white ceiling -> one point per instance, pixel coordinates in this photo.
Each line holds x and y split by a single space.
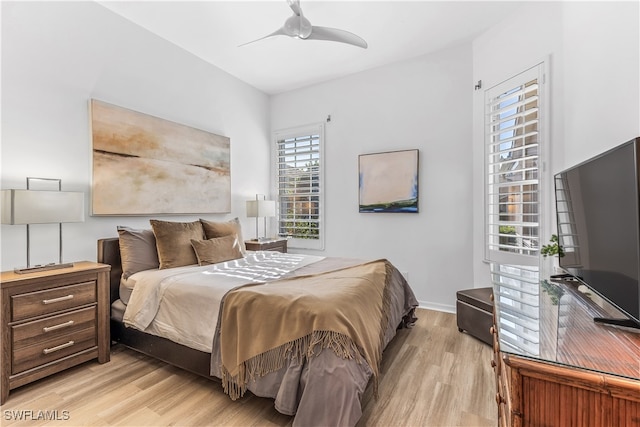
394 30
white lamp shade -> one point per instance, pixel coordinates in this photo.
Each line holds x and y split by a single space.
41 207
261 208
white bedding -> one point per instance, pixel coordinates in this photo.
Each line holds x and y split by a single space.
167 302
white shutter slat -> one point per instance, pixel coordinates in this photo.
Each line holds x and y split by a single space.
514 138
510 111
515 94
518 118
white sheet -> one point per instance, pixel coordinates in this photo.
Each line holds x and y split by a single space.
170 302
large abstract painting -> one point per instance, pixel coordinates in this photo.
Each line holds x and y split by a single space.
389 181
144 165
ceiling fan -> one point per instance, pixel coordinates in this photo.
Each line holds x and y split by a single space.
298 26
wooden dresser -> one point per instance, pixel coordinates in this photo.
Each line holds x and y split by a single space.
584 374
52 320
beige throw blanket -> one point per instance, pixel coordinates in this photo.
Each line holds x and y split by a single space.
262 326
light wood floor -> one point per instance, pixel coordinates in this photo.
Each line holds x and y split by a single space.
432 375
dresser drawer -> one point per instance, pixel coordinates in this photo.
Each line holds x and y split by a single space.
31 333
39 303
45 351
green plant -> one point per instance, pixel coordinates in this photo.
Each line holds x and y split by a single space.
553 248
554 291
507 229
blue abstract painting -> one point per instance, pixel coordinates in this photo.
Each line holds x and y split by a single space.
388 181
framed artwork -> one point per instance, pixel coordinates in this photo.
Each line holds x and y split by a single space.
145 165
389 181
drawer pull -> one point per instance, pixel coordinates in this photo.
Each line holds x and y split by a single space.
60 326
58 347
54 300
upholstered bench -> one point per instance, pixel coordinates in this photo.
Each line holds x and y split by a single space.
474 313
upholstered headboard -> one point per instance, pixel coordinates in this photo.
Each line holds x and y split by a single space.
109 253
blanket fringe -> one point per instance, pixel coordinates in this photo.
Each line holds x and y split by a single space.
273 360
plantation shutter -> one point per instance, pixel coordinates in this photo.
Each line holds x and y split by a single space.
513 169
300 186
566 221
513 119
517 290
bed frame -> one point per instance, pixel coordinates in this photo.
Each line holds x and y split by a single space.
195 361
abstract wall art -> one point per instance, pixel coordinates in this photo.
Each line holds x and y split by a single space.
389 181
145 165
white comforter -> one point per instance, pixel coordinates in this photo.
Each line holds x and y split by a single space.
182 304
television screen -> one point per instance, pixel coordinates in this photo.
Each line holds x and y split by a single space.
598 225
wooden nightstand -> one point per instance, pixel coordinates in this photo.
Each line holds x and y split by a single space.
52 320
268 245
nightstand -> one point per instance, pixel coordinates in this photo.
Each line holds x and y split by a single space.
279 245
52 320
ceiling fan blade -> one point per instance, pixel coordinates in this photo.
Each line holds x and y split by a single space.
295 6
278 32
335 35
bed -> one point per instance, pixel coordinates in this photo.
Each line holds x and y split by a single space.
304 330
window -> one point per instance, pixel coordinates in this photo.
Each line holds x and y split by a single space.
300 182
514 115
513 142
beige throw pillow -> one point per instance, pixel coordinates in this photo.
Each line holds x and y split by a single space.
217 250
214 229
173 240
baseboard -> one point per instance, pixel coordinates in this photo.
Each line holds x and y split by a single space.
437 307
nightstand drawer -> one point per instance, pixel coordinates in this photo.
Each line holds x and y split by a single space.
267 245
39 303
52 349
31 333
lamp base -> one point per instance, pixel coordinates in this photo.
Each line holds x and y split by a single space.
45 267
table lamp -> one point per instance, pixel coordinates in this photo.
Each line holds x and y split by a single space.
261 208
25 207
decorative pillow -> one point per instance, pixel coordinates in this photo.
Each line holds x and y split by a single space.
137 250
173 240
213 229
219 249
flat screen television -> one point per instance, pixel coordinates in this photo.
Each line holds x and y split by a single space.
598 213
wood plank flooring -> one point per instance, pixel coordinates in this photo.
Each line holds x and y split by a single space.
432 375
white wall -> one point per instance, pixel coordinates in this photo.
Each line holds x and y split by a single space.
58 55
592 50
602 78
424 103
